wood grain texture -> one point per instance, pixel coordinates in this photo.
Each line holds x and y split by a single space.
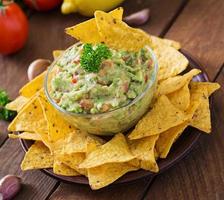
36 185
162 13
200 29
201 174
133 190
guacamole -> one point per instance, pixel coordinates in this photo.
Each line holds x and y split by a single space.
100 84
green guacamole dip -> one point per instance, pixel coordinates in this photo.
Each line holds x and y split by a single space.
119 80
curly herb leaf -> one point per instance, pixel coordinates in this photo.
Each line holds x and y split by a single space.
91 58
5 114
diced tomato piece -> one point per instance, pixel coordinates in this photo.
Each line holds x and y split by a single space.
74 79
125 87
146 78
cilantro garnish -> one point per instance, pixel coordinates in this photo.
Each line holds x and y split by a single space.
5 114
92 58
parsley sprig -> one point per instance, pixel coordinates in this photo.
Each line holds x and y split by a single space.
5 114
92 58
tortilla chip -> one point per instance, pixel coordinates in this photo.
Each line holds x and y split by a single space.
114 151
157 41
25 136
210 87
33 86
57 126
163 116
73 150
57 53
171 62
106 174
202 117
37 157
45 139
197 96
73 160
103 175
87 31
143 149
180 98
75 142
118 35
30 118
17 104
62 169
173 84
167 138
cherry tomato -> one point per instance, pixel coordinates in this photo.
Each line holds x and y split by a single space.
13 28
42 5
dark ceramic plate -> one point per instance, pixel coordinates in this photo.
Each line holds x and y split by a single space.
180 149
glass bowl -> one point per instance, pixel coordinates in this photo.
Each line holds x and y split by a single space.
114 121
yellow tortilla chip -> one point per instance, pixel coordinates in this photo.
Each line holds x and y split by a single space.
37 157
167 138
17 104
180 98
57 53
33 86
106 174
143 149
25 136
173 84
157 41
210 87
114 151
75 142
87 31
103 175
57 126
118 35
171 62
163 116
45 139
62 169
202 117
30 118
74 149
197 96
73 160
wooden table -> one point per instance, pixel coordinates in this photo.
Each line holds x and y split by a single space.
199 26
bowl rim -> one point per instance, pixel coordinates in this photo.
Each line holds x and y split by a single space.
139 97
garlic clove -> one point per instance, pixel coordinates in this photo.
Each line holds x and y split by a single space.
37 67
9 187
138 18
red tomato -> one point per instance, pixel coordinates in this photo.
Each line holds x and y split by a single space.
13 28
42 5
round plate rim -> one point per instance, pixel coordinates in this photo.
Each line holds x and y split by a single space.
136 175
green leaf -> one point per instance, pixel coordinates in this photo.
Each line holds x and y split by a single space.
91 58
4 99
5 114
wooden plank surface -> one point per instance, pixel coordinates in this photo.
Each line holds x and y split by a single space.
200 29
134 190
201 174
46 35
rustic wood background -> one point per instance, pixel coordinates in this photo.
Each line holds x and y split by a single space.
199 26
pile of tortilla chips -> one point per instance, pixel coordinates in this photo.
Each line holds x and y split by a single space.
178 102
